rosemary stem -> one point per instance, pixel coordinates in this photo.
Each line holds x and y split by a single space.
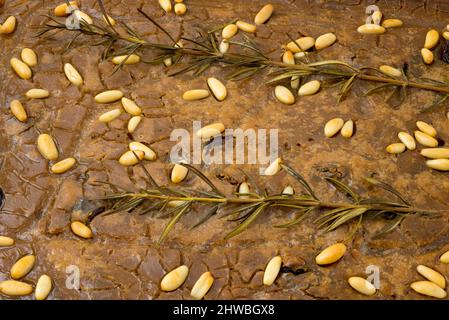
367 77
291 200
223 58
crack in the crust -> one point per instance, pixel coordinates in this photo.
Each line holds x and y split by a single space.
35 185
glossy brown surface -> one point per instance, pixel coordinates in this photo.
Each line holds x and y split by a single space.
122 261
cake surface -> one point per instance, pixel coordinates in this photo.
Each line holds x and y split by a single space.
123 260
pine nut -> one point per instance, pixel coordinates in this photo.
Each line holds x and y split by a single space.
165 5
428 288
264 14
377 17
348 129
175 203
362 285
331 254
333 126
395 148
130 158
37 94
29 57
224 46
294 82
284 95
288 57
18 110
218 88
148 153
432 275
390 71
15 288
426 128
229 31
427 56
244 189
168 61
63 10
309 88
195 94
131 107
446 35
133 123
180 9
288 190
392 23
210 131
444 258
81 230
63 165
111 20
245 26
325 40
6 241
178 173
175 278
432 38
22 267
304 43
202 286
108 96
21 69
43 287
47 147
425 139
110 115
438 164
407 139
371 29
435 153
72 74
274 167
9 25
126 59
272 270
82 16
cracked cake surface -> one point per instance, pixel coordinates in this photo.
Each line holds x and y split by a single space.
123 261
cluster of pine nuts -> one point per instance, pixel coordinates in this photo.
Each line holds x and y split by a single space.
434 285
137 150
47 148
15 287
376 25
175 278
45 142
298 49
22 67
426 136
215 86
231 29
65 9
333 126
431 41
180 8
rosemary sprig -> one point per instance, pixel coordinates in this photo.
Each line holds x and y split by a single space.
245 210
249 60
